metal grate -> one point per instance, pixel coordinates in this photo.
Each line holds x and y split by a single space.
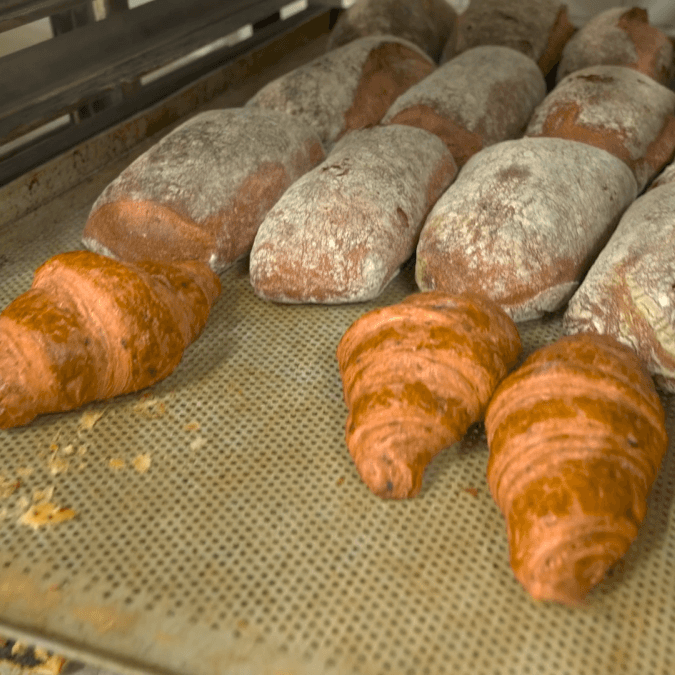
250 546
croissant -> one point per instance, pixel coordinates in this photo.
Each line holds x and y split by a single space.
416 375
91 328
576 436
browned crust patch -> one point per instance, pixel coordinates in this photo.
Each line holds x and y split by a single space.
559 35
389 70
461 142
648 41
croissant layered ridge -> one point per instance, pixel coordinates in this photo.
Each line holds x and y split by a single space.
576 437
415 376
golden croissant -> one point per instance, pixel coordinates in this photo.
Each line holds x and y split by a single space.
90 328
416 375
576 437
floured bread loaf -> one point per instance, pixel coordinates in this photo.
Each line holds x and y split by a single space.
341 232
523 222
348 88
628 292
483 96
665 177
614 108
537 28
619 37
430 24
203 190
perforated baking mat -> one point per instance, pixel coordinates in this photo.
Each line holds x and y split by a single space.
220 526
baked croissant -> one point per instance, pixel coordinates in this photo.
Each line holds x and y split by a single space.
91 328
416 375
576 436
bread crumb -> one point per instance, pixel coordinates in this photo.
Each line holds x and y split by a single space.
40 496
45 513
150 407
68 450
142 463
89 419
8 487
198 443
19 648
116 463
58 465
192 426
82 450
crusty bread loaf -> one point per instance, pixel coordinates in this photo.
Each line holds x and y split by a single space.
203 190
614 108
537 28
628 292
348 88
483 96
619 37
430 24
341 232
523 222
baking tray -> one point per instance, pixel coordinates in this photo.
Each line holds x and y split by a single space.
221 528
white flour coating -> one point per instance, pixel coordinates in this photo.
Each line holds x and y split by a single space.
599 41
320 92
490 90
205 170
522 223
629 292
340 233
522 24
612 99
202 163
427 23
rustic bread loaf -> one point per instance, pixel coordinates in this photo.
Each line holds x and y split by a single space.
523 222
484 95
203 190
628 292
619 37
341 232
614 108
348 88
537 28
415 376
576 438
430 24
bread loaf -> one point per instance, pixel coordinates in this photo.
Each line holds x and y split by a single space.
484 95
203 190
348 88
628 292
523 222
341 232
619 37
537 28
576 437
415 376
91 328
430 24
614 108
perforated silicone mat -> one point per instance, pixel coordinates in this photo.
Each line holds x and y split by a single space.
221 528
